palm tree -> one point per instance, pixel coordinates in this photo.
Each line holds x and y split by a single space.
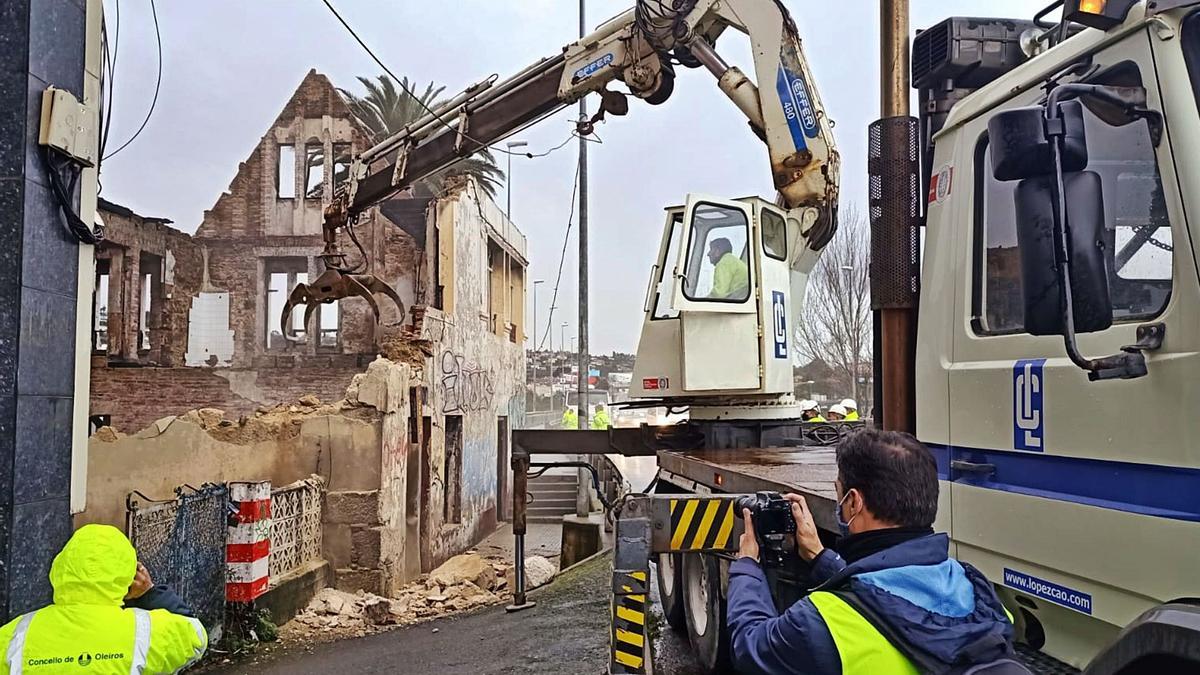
385 109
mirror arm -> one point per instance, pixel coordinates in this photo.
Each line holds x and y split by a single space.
1130 363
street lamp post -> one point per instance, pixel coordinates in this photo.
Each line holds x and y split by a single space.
851 297
535 342
511 145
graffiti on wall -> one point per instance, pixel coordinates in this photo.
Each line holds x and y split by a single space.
466 386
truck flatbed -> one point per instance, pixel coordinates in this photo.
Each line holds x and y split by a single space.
808 471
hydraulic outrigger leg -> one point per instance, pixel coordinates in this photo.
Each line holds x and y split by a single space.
646 526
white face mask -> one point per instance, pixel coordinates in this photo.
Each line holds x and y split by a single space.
843 525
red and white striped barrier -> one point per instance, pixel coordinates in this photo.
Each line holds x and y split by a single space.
248 542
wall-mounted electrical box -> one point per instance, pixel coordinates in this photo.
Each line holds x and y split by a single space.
68 126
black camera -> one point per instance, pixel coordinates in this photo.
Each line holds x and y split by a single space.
774 526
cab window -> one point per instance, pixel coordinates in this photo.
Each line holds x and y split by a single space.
1138 231
774 235
718 266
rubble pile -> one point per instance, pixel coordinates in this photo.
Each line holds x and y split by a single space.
463 583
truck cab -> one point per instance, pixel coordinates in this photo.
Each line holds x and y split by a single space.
1073 491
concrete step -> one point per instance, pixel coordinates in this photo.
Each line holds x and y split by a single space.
554 478
564 492
559 504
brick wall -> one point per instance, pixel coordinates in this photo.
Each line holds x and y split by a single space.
136 397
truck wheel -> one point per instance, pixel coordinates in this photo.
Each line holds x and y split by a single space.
670 590
705 610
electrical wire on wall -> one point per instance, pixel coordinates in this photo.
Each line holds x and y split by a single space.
64 190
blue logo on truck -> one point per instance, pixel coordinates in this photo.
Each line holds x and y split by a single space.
1029 420
779 314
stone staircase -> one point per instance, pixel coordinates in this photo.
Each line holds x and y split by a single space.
553 497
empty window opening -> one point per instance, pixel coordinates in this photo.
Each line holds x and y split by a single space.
329 320
100 308
314 172
282 277
287 172
341 163
144 324
452 471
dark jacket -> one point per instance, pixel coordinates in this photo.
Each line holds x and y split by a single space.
940 606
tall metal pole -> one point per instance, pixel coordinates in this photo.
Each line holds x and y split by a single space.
535 342
897 325
583 499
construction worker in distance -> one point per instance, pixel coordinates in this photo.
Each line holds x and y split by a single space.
731 275
888 598
600 418
107 615
851 407
837 413
570 418
810 411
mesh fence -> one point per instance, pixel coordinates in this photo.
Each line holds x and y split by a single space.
182 543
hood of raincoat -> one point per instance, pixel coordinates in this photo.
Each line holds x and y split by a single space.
94 568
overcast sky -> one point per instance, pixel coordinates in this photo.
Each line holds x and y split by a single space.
230 65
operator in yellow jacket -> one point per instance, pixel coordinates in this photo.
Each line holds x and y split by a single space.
731 276
107 615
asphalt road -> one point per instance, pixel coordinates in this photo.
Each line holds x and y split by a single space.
566 633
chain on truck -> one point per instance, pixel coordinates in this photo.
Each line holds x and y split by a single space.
1036 212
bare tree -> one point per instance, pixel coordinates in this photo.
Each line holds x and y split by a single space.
835 324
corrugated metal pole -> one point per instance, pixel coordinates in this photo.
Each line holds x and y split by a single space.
898 326
583 500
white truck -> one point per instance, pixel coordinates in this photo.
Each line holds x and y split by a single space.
1053 167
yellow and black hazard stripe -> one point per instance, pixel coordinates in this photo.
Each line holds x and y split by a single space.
701 524
629 624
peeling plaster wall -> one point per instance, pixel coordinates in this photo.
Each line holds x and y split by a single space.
473 373
344 451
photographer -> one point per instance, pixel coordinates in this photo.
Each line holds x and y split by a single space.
888 599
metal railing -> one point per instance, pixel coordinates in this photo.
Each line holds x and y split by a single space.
295 526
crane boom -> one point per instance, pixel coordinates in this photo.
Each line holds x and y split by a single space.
639 48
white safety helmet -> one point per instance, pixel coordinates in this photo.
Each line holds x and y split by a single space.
849 404
807 405
837 409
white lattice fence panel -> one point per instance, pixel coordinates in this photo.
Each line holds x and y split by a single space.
295 526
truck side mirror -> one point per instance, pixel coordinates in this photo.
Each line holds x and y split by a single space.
1021 148
1090 297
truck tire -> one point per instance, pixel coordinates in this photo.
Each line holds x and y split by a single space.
705 611
670 590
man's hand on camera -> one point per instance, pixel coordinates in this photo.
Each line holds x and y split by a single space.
141 583
808 540
748 544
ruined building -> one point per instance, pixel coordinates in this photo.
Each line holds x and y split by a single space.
186 322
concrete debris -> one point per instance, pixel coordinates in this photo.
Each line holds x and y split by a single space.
107 434
310 401
465 568
463 583
538 572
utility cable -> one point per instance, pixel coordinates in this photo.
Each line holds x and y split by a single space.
63 190
157 84
562 257
422 103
